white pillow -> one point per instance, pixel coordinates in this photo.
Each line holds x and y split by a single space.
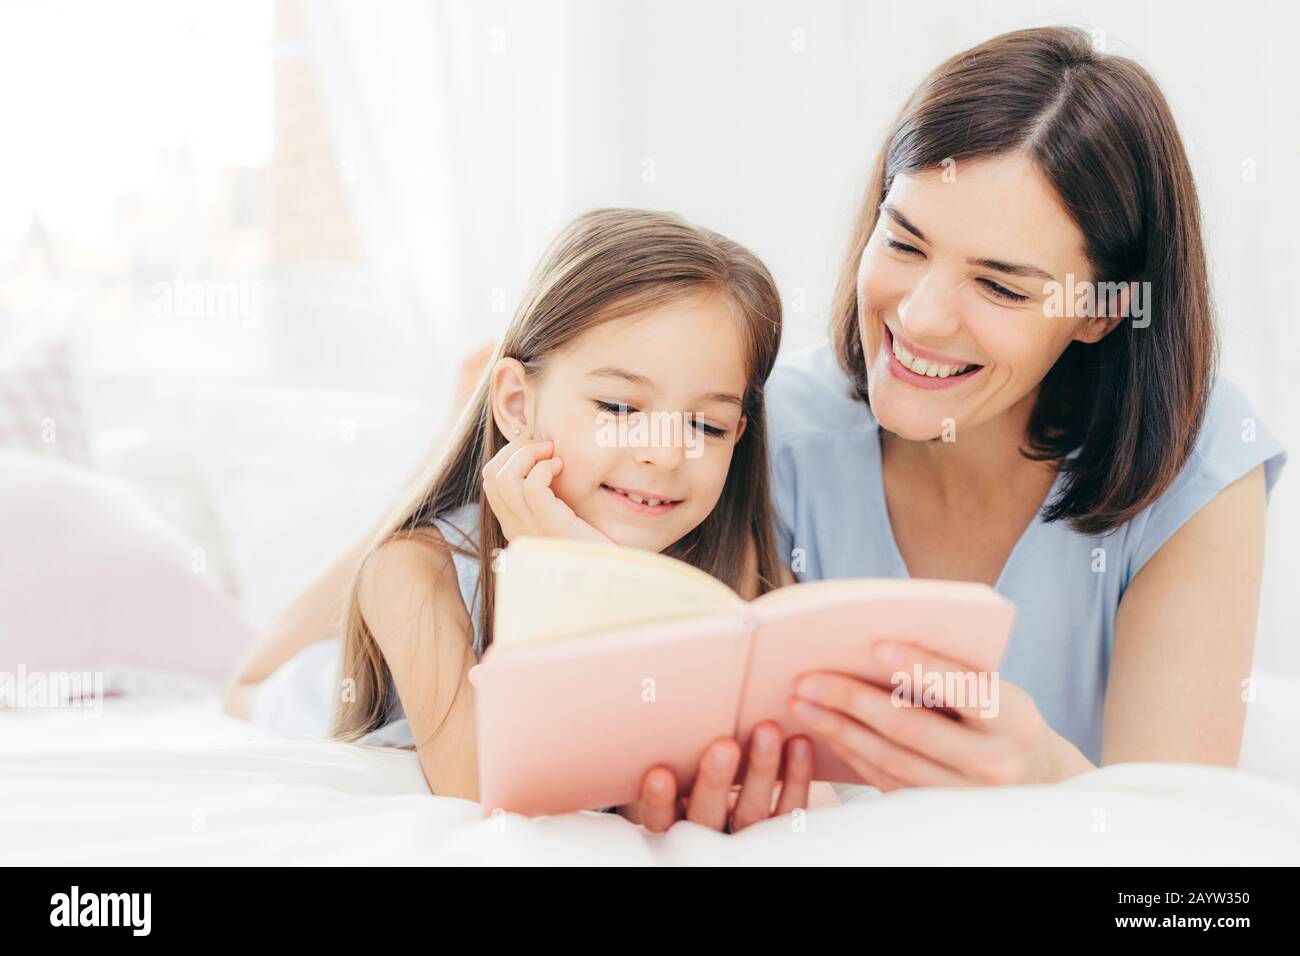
92 578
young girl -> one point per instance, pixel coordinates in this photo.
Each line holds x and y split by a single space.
629 314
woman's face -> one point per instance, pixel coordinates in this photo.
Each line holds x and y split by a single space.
646 407
956 276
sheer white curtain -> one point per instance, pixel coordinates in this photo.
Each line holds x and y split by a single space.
469 132
462 132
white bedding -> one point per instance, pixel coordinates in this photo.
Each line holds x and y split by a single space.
164 778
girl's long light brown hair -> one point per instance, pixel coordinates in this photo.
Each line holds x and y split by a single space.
607 264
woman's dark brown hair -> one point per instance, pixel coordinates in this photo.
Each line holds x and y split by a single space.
1101 132
605 265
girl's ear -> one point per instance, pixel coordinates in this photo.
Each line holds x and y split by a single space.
511 397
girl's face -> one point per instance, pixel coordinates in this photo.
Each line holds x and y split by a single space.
957 274
648 407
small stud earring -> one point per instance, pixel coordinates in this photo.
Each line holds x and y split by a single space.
518 432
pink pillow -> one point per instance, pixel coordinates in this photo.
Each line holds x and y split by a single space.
92 577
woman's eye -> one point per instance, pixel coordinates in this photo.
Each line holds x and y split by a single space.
901 246
1002 292
615 408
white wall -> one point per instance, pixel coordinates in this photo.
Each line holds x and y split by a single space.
759 119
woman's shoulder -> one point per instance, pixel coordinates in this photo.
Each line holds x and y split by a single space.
809 395
1232 442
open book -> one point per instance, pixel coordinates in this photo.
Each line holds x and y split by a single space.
608 660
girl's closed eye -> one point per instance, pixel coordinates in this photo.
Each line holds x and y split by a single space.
622 408
712 430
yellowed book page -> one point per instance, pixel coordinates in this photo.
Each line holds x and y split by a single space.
795 598
553 589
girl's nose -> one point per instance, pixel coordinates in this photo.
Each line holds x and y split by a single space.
664 448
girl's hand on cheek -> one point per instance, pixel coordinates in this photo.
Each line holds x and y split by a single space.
517 482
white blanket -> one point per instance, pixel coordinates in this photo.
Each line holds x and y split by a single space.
166 779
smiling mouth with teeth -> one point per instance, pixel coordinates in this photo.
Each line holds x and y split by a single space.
642 502
920 366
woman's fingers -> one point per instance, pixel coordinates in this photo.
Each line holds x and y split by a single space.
947 684
965 691
907 724
755 802
797 780
660 807
708 801
846 734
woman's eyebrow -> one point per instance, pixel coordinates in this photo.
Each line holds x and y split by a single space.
1008 268
1012 268
610 371
894 213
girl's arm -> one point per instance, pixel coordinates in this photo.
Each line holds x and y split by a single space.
410 599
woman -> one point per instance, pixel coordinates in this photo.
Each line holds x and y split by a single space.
979 416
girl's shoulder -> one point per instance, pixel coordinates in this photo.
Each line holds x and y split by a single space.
406 580
460 563
410 595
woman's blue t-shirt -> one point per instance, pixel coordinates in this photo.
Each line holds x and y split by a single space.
830 505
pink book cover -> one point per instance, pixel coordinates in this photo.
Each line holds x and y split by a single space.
575 724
